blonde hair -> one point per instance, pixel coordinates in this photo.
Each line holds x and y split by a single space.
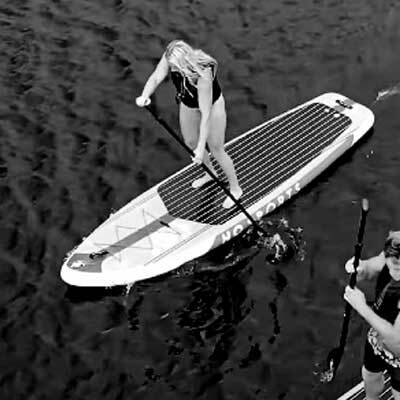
189 61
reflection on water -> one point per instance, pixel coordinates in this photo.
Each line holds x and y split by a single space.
193 343
203 340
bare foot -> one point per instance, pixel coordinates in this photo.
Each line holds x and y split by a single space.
198 183
228 202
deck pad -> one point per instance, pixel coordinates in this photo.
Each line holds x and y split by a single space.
263 159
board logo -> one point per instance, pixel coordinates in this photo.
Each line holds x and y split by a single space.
271 206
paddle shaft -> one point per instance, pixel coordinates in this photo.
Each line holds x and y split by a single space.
163 123
353 276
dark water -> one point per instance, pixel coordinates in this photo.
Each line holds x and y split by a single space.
74 147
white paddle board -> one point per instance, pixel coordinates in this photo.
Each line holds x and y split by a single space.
172 223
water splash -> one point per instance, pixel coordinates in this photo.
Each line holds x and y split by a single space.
128 288
386 93
278 247
282 244
327 375
285 244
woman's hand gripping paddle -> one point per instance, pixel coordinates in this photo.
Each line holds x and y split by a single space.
335 355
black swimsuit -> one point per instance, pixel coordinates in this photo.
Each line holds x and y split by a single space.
188 94
388 309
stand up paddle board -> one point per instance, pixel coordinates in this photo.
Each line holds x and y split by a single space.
172 223
358 392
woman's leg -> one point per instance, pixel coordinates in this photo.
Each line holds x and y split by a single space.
216 140
189 119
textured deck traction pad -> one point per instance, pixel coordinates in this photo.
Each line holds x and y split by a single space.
263 160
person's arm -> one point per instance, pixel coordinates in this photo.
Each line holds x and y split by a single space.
204 90
158 75
388 333
372 266
367 269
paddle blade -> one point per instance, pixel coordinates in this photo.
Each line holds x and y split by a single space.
332 363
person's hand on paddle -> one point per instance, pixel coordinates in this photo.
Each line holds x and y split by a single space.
198 154
142 101
356 298
349 267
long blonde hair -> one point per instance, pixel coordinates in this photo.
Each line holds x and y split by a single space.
189 61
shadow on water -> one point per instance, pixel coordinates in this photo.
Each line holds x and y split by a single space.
217 307
92 294
203 339
220 302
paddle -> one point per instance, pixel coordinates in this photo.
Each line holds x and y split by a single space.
163 123
335 355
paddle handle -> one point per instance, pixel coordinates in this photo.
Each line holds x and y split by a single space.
358 246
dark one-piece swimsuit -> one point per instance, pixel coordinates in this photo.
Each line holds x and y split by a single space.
188 94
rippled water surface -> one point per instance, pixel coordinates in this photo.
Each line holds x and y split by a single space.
74 147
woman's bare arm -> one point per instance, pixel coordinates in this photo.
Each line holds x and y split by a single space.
158 75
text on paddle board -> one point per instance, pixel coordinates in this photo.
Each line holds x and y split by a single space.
271 206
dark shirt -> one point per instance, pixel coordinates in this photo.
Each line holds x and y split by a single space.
188 94
389 307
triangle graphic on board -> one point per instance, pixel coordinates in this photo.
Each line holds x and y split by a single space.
128 237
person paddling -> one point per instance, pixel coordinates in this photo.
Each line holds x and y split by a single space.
202 113
382 347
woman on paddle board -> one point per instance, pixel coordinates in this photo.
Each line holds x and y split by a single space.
202 113
382 348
